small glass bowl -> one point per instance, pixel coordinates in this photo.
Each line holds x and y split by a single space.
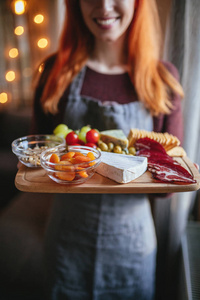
29 148
68 173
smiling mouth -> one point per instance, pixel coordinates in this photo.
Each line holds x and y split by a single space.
106 22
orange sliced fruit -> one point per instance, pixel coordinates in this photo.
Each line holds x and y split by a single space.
67 155
83 174
92 157
80 159
64 165
54 158
78 154
67 176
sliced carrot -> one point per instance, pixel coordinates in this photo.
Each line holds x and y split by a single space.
67 156
54 158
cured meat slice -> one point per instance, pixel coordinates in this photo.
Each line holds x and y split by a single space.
147 143
160 164
154 155
170 172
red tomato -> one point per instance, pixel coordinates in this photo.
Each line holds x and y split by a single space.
71 138
92 145
81 142
92 136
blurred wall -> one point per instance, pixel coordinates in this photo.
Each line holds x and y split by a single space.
164 10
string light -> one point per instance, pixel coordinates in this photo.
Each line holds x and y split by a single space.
42 43
10 76
13 52
3 98
19 30
38 19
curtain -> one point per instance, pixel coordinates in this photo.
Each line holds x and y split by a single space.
182 48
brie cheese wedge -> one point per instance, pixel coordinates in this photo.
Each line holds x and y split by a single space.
120 167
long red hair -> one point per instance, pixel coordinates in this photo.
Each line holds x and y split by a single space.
152 81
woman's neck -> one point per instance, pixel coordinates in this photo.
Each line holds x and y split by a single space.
108 58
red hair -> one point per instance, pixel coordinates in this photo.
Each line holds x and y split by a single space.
151 79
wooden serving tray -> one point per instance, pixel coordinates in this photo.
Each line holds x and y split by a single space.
36 180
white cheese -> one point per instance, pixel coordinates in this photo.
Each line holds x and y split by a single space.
121 168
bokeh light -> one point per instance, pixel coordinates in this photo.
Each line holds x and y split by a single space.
19 30
19 7
3 98
10 76
42 43
13 52
41 68
38 19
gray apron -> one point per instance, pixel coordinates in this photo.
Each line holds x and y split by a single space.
101 246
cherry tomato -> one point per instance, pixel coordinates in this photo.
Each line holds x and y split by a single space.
81 142
92 136
92 145
72 138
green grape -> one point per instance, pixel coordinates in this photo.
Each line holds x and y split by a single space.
85 129
61 134
61 129
82 136
77 131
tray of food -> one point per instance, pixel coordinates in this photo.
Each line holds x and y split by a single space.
110 162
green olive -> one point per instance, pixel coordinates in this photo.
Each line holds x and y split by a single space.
99 142
103 146
117 149
132 150
110 147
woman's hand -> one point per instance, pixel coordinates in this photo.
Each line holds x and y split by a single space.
196 166
19 164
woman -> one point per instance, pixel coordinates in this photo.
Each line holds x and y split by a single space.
107 73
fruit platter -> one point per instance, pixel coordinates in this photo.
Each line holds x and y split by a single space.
93 161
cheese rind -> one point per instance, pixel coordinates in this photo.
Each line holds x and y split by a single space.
115 136
121 168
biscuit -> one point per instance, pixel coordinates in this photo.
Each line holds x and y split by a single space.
177 151
168 141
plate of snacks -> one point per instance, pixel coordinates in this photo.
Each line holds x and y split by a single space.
29 148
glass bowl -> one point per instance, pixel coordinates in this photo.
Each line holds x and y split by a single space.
29 148
70 169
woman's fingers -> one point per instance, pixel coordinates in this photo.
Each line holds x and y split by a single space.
19 164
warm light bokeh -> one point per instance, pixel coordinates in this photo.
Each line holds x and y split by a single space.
19 7
10 76
19 30
41 68
38 19
42 43
3 97
13 52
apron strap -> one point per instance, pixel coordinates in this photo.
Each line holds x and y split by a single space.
77 83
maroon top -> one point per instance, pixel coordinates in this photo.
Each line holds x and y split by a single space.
105 87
